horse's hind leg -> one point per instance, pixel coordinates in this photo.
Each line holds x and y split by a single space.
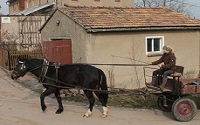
60 108
91 100
42 97
103 97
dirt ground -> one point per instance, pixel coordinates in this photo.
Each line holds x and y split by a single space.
21 106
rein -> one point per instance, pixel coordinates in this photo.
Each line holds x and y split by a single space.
57 65
35 68
139 92
43 76
45 66
70 86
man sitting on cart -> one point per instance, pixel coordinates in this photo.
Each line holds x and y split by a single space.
167 67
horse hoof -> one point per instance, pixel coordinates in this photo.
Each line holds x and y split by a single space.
44 111
87 114
44 108
105 112
59 111
104 115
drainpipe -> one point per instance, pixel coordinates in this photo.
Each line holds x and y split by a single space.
0 29
199 51
8 3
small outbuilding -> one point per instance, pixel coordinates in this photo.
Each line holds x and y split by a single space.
122 35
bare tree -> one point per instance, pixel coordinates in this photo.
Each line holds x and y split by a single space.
179 5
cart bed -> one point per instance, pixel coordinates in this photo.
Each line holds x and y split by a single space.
184 86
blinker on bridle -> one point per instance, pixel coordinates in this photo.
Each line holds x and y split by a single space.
23 66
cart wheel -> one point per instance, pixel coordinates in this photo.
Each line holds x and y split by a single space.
161 104
184 109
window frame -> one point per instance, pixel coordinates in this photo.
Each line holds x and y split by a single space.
154 53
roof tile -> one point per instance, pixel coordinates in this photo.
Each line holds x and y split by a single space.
107 17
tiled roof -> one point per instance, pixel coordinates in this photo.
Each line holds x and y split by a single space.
109 18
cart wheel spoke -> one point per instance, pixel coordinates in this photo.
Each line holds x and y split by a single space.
165 101
164 105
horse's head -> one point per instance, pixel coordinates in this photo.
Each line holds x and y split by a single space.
21 69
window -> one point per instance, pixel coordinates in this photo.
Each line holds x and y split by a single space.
32 3
117 0
154 45
26 4
39 2
96 0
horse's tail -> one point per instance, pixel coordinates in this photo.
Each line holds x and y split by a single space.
103 85
103 81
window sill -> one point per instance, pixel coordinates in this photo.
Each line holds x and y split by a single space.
154 54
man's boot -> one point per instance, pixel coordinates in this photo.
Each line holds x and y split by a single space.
163 83
153 81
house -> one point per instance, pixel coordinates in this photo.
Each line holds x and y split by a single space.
19 29
19 37
35 7
31 7
125 35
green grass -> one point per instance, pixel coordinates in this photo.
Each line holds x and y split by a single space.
132 101
127 101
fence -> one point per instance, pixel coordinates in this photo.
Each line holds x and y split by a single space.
20 38
8 58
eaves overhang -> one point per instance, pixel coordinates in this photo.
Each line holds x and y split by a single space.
94 30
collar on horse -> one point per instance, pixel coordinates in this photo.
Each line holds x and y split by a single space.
45 69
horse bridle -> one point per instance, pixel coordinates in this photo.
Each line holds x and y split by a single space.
22 74
44 67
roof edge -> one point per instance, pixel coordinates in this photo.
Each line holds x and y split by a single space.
90 30
34 9
47 20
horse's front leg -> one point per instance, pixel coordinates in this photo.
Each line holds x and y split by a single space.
60 106
42 97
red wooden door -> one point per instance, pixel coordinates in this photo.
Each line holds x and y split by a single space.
58 51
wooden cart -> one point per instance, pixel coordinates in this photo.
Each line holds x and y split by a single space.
175 96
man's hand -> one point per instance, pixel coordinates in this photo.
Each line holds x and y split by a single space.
161 65
150 63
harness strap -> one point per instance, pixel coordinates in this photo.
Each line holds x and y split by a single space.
44 70
57 66
70 86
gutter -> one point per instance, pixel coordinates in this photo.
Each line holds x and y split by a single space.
94 30
199 53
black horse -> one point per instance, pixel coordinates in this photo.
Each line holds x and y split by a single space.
87 77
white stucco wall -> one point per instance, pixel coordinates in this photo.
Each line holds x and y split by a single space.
122 47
